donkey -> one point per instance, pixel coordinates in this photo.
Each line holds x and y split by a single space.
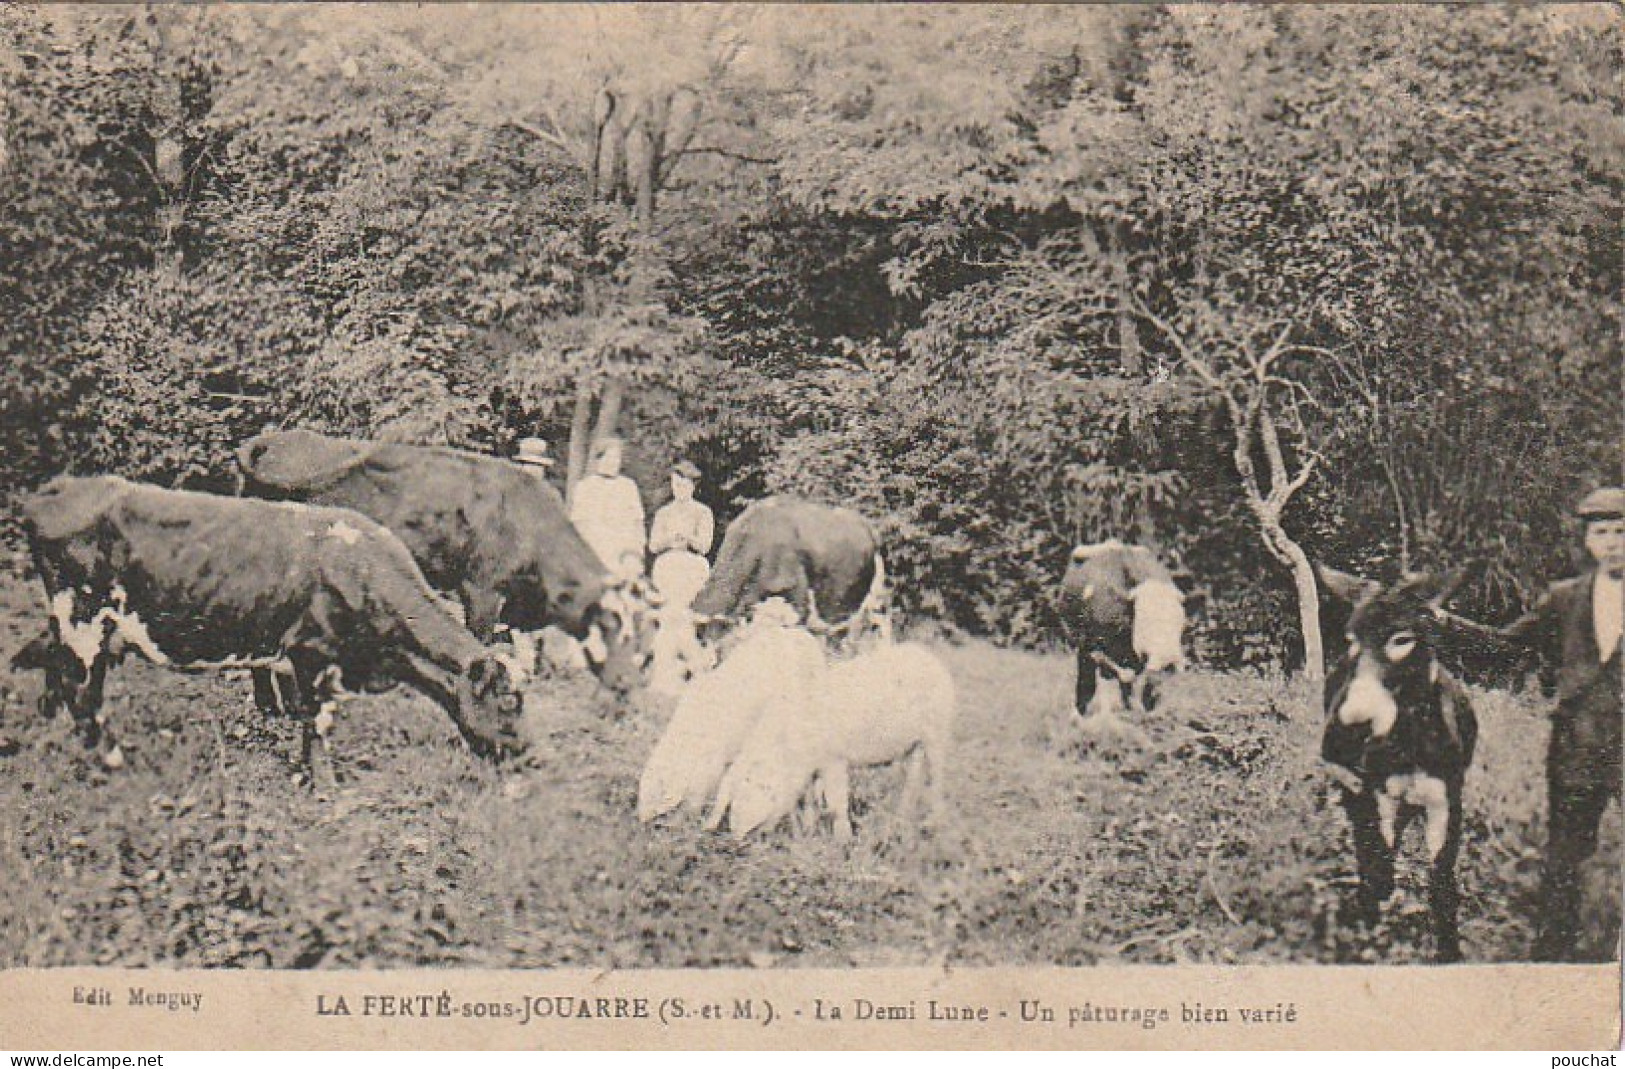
1405 729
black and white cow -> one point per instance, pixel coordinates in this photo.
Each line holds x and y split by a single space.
1405 730
196 581
1126 618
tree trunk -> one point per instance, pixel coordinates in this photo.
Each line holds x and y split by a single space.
585 433
640 166
580 427
1288 552
1303 577
1128 336
602 166
609 411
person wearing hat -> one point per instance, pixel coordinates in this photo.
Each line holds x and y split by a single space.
533 453
683 525
680 538
608 512
1574 630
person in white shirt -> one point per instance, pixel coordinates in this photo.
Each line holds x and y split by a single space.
680 538
608 513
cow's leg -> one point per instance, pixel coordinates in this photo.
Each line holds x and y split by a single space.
1150 686
1444 897
1140 693
63 675
85 702
809 811
723 800
936 749
1373 853
315 680
324 770
1573 814
268 697
1111 697
1086 681
914 783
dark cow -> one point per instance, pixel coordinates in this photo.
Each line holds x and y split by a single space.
196 581
823 560
1405 729
482 529
1126 618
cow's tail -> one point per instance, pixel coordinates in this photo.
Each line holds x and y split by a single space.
1159 625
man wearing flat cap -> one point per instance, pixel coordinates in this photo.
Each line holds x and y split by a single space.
1574 630
680 538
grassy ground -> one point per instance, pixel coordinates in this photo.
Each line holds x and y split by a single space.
1214 843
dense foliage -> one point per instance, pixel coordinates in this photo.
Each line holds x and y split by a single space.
1256 284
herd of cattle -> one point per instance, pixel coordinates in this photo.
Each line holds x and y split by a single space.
361 566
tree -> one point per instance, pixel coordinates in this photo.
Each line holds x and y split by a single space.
623 92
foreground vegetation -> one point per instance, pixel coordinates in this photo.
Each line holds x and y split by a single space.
1214 842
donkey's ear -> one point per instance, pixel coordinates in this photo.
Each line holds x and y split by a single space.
1341 586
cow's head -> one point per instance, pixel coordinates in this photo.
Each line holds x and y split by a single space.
491 708
612 641
1390 663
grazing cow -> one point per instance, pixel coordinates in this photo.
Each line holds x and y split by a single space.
1126 619
823 560
886 703
481 528
1405 729
195 581
772 659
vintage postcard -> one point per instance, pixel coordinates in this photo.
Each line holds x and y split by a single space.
731 526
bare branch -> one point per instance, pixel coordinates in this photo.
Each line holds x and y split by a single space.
145 166
1270 436
540 134
1298 393
1285 323
713 150
1277 349
550 109
1304 473
1314 350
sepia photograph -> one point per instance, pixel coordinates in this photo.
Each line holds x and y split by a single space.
811 525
